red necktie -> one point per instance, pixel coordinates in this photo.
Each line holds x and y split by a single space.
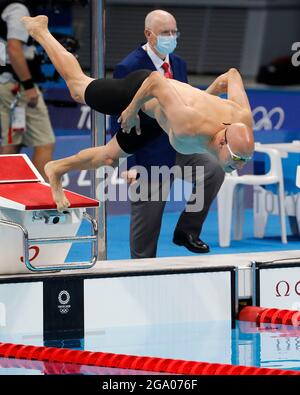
167 71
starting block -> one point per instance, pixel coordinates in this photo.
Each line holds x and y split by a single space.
34 236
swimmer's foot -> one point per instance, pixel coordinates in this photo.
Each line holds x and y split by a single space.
54 177
35 25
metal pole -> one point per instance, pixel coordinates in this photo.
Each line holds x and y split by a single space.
98 120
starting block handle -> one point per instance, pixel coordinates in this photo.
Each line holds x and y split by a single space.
49 240
53 240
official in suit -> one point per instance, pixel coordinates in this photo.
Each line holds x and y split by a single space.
146 216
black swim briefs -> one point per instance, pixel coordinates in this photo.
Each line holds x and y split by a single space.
112 96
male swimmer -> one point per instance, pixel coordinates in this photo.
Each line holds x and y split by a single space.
196 121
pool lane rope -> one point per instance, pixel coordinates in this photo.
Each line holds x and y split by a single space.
120 361
263 315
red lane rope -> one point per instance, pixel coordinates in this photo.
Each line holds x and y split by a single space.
150 364
263 315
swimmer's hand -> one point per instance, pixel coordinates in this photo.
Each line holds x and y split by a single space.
128 120
130 176
219 85
222 83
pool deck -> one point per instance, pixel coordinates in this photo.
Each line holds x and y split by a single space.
243 262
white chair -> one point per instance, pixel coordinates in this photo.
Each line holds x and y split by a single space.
231 197
266 200
298 177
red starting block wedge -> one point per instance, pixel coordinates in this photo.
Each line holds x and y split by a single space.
37 196
34 236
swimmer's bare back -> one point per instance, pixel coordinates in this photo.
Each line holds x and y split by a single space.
206 115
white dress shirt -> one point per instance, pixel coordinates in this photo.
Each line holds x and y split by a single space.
157 61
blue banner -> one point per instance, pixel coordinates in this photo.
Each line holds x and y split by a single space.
275 109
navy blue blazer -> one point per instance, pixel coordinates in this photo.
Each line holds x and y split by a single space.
159 152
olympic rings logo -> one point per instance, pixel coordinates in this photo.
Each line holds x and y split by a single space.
268 120
64 297
64 311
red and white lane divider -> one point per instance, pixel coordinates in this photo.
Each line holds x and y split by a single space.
263 315
147 364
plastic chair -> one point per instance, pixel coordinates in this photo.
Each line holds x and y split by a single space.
266 198
230 198
298 177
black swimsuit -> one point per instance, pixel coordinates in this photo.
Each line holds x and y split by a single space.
111 97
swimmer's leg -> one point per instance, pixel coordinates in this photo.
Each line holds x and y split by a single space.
87 159
107 96
64 62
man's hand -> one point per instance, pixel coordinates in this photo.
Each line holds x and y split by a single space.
128 120
32 97
20 66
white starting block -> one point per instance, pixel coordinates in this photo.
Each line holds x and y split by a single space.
34 236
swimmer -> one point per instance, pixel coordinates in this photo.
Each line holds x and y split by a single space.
196 121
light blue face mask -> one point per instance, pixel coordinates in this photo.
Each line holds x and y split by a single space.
166 44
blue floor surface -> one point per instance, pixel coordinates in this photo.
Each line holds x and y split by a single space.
118 238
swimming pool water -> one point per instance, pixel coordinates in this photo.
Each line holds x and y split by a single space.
268 346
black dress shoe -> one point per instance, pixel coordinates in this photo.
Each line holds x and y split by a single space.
192 243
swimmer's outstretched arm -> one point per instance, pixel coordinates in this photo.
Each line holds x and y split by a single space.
232 84
219 85
147 91
179 117
236 90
